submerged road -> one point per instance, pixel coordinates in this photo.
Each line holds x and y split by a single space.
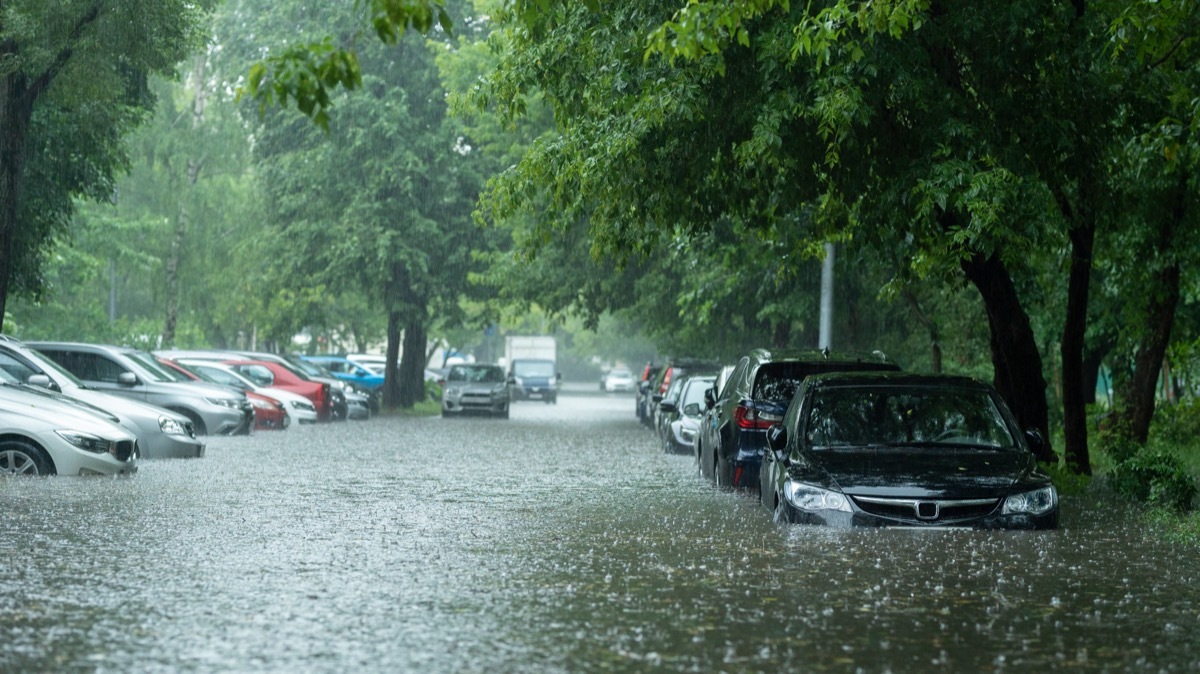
560 540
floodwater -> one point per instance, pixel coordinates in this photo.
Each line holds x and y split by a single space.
561 540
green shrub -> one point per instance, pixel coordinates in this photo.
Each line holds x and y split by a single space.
1067 481
1155 477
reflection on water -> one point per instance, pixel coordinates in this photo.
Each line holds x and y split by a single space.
561 540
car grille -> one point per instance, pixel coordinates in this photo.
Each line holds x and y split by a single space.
476 400
927 511
124 449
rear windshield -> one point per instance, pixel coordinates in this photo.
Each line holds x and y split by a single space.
777 382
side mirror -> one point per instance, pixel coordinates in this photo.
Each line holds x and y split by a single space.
39 380
558 377
710 397
692 409
777 437
127 379
667 407
1033 437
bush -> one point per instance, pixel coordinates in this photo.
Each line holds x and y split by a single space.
1155 477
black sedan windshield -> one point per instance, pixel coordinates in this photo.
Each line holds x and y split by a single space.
880 415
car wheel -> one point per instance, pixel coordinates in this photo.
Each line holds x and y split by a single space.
18 457
447 414
503 414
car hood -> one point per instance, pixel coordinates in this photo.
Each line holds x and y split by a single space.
475 386
58 414
923 472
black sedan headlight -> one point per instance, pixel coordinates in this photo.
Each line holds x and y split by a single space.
812 498
1036 502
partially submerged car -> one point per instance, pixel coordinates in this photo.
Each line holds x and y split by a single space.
161 433
475 389
40 435
886 449
755 396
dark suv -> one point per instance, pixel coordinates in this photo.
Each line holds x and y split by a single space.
733 431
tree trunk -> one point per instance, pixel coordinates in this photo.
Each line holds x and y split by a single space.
412 365
1152 348
1075 449
391 370
1015 357
16 110
935 345
182 219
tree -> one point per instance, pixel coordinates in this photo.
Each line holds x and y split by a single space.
74 81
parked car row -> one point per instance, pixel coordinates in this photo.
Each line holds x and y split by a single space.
78 409
850 440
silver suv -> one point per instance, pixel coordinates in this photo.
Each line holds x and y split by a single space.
214 410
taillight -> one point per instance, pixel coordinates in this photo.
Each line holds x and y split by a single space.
750 418
666 382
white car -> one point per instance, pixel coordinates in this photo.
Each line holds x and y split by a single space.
619 379
298 407
40 435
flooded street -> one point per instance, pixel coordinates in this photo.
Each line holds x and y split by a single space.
561 540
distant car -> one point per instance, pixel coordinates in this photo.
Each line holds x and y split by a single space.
681 415
371 361
534 378
339 408
889 449
475 389
42 436
213 410
733 433
161 433
276 375
619 380
362 377
298 407
641 399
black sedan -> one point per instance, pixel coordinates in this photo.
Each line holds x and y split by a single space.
885 449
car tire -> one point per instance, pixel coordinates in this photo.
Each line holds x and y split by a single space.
18 457
503 414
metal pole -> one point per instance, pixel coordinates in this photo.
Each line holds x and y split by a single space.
826 337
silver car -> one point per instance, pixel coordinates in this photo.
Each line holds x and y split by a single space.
41 435
213 410
161 433
475 388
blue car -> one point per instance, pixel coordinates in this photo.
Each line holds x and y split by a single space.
347 370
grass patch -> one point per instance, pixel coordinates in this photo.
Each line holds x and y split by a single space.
425 408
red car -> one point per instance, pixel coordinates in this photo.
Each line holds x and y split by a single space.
266 373
269 414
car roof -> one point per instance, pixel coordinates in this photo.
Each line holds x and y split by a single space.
819 356
883 378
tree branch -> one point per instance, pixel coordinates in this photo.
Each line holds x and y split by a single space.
42 82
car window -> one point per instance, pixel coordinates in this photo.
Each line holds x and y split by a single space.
19 370
694 393
259 374
874 415
477 374
89 366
